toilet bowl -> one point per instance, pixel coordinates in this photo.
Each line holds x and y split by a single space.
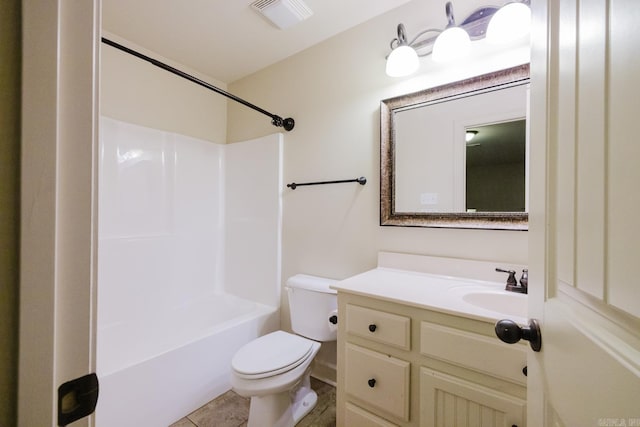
282 369
274 369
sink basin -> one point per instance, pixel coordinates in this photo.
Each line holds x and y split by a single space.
507 303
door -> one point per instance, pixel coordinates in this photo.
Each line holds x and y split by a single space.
58 203
584 232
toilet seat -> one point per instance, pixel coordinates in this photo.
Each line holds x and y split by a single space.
271 354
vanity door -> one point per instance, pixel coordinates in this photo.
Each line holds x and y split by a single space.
583 221
447 400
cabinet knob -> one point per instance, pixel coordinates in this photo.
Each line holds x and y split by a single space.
372 382
510 332
372 327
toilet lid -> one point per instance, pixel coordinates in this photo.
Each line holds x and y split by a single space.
271 354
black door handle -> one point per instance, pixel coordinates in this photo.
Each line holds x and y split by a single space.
510 332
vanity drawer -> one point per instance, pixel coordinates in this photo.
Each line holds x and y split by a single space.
355 416
377 379
386 328
478 352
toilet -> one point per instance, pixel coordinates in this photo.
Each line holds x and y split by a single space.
273 370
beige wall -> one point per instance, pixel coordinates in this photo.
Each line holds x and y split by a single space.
9 204
136 91
333 91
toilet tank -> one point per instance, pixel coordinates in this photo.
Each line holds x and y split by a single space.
311 304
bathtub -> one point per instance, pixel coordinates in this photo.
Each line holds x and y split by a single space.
176 363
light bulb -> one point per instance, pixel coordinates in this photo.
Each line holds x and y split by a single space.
452 43
402 61
509 23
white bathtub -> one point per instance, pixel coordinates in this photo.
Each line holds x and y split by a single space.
153 373
181 221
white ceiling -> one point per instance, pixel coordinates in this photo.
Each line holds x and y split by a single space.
227 39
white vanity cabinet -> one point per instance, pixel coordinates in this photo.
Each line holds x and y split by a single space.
400 364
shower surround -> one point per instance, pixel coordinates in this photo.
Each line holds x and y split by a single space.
188 267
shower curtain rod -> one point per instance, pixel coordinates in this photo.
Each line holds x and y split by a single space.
276 120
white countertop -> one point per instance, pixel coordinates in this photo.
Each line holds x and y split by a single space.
440 293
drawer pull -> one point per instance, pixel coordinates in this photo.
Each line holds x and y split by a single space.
372 382
372 327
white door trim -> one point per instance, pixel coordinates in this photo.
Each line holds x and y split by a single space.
58 199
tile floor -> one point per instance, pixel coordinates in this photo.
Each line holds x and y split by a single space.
232 410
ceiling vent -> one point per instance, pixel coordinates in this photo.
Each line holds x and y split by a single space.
282 13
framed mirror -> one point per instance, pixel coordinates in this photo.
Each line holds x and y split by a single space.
455 156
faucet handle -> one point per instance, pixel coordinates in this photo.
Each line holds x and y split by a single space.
524 280
511 280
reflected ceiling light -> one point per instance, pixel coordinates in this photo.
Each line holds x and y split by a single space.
455 40
470 134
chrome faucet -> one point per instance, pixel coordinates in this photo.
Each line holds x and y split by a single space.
512 282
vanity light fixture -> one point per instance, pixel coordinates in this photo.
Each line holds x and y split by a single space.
512 21
403 59
453 43
498 24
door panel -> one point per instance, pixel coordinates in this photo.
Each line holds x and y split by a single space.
591 371
589 103
565 97
584 237
622 157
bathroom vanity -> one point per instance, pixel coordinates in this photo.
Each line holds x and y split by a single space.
419 349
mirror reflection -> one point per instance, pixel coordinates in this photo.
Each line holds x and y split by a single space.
455 155
495 167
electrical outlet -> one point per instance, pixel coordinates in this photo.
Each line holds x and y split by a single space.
429 198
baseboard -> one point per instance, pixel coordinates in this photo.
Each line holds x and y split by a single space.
325 372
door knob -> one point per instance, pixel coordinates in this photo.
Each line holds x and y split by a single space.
510 332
